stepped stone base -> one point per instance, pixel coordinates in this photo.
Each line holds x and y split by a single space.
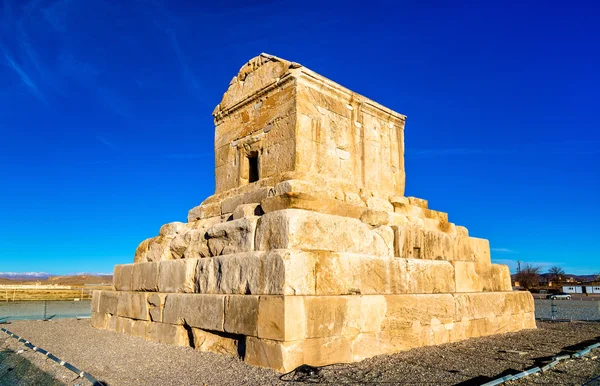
283 332
308 252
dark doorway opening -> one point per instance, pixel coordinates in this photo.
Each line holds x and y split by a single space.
417 252
253 166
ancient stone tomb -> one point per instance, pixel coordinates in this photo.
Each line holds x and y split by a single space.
309 252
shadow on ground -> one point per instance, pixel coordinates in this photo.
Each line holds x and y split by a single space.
16 369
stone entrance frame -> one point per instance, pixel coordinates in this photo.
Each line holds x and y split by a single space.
309 252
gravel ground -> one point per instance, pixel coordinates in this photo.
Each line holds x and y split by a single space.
568 309
34 310
118 359
22 366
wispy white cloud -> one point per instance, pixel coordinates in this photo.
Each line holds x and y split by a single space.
33 89
188 74
504 250
106 142
56 14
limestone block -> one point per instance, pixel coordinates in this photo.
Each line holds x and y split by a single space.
470 276
276 272
168 334
481 250
379 204
488 305
529 320
325 315
241 314
133 305
247 210
141 252
160 248
232 236
139 328
364 314
277 355
367 345
343 273
321 351
196 244
288 272
281 318
435 215
156 304
254 196
516 302
204 211
104 321
411 241
354 199
111 323
438 245
375 217
304 187
294 228
337 273
108 302
145 276
421 203
398 201
96 300
397 219
477 277
404 310
172 228
179 245
177 275
206 341
195 239
122 277
500 279
429 276
235 274
98 320
304 201
196 310
124 325
382 275
176 232
462 246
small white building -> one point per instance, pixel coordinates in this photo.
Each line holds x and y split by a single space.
573 289
592 289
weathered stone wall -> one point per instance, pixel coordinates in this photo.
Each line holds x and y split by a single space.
322 259
297 121
342 136
284 332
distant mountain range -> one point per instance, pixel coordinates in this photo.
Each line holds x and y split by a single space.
31 276
582 278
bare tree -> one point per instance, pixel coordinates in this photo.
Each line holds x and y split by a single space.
556 273
529 276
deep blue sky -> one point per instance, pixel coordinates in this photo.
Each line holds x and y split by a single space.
106 132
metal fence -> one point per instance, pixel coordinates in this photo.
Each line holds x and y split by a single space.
44 310
586 310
